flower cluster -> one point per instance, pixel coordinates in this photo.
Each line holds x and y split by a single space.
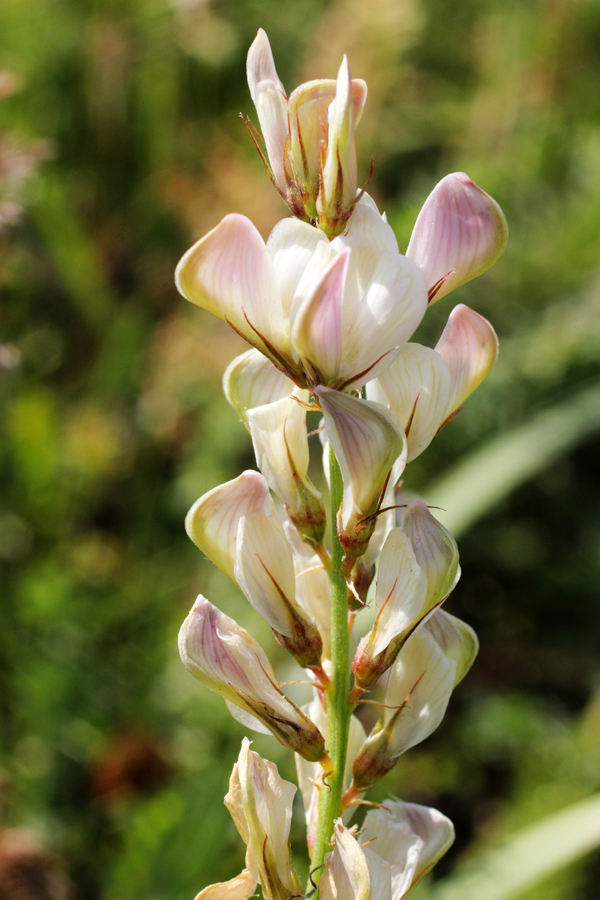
328 305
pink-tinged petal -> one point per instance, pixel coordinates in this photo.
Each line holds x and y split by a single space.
252 380
229 273
265 570
297 251
459 233
317 326
418 569
457 639
401 592
435 550
410 837
268 95
469 347
367 439
422 678
228 661
417 694
242 887
212 522
417 386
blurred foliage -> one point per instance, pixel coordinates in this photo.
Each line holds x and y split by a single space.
113 420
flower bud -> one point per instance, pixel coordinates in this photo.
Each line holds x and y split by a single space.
260 803
417 570
252 380
227 660
281 446
337 194
268 96
242 887
459 233
368 442
310 139
410 837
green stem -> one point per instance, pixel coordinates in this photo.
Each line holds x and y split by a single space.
338 706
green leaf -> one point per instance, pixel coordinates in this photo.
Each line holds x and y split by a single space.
491 473
530 856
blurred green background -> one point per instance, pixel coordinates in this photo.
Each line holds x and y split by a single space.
120 144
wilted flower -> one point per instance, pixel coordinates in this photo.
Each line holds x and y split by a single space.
324 313
227 660
459 233
260 803
410 837
418 568
242 887
397 845
309 139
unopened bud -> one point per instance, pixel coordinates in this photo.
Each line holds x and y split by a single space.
309 139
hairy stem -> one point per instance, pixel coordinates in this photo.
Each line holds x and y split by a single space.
338 706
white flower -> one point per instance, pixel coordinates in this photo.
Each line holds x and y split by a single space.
323 313
410 837
426 388
432 661
418 568
228 661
